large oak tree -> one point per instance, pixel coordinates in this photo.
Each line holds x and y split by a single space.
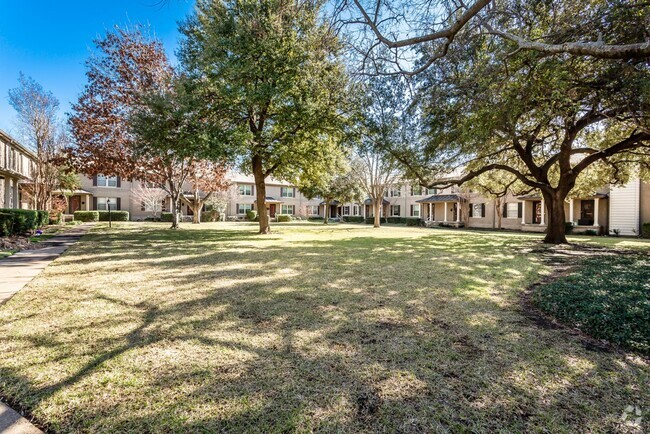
270 70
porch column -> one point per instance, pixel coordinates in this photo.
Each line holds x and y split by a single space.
7 192
543 219
364 211
445 211
457 212
571 210
596 200
430 215
523 212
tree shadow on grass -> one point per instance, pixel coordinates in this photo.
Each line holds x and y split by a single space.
355 334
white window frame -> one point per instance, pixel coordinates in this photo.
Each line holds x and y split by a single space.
287 192
101 203
415 210
356 210
512 208
312 209
106 181
244 208
245 189
285 209
479 214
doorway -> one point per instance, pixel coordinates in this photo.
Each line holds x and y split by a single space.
537 212
272 210
586 212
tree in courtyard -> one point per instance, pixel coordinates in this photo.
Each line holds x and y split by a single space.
37 112
206 179
150 196
497 185
413 35
270 70
126 66
169 130
543 119
218 202
336 184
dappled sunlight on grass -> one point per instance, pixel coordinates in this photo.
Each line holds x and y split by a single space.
341 328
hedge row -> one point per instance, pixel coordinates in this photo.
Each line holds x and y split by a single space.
283 218
645 230
86 216
353 219
116 216
21 221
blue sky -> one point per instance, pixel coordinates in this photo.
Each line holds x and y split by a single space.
50 40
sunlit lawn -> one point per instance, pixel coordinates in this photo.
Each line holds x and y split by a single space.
333 329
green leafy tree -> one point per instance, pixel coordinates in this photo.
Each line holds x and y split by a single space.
543 119
270 70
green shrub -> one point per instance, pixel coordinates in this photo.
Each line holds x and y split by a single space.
166 217
590 232
645 232
605 296
352 219
413 221
116 216
568 227
86 216
209 216
43 218
251 215
396 220
283 218
315 219
19 221
371 220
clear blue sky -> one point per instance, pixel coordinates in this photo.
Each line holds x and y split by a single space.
50 40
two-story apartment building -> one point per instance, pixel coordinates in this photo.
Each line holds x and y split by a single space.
16 166
623 209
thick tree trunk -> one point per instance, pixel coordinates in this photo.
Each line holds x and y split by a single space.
260 187
196 208
376 206
176 206
555 217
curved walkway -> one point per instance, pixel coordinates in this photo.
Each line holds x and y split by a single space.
19 269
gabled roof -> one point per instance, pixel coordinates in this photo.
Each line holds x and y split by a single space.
369 202
269 199
440 198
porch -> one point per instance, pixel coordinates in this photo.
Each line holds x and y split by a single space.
442 209
79 200
272 205
585 214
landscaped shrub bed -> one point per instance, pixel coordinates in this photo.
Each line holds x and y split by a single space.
251 215
21 221
283 218
86 216
315 219
607 297
116 216
352 219
413 221
166 217
371 220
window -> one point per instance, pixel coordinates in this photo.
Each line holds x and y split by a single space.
416 190
287 192
356 210
312 209
394 210
415 210
245 190
288 209
243 208
477 210
512 210
395 192
431 190
346 210
106 181
104 202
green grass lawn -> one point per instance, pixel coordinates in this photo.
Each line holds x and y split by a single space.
341 328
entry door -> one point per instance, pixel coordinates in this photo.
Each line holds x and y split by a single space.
272 209
75 204
537 212
586 212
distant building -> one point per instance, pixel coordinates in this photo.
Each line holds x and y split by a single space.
16 167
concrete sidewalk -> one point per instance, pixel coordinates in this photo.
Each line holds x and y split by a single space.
13 423
18 270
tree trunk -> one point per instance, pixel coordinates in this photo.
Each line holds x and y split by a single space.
499 212
376 205
260 187
326 212
555 218
196 208
176 206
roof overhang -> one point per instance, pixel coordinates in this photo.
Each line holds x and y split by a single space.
441 198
